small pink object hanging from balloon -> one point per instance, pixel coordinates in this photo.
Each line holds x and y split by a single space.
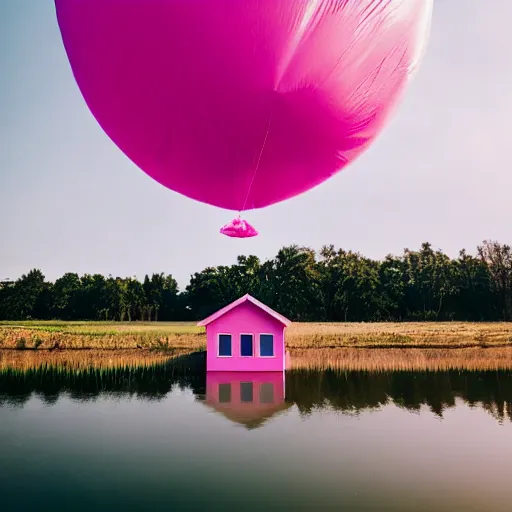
238 228
243 103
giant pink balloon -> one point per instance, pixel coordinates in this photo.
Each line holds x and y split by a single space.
243 103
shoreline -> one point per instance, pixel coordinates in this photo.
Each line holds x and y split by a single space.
338 359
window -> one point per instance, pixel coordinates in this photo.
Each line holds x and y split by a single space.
246 345
225 393
267 393
266 345
224 345
246 391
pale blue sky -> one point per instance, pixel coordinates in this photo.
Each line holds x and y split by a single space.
71 201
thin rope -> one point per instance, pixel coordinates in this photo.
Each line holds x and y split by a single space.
259 159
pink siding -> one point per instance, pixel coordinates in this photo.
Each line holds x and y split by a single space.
245 319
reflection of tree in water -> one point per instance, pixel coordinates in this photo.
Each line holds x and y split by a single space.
359 391
349 392
149 383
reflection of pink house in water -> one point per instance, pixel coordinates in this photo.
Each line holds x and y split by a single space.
248 398
246 336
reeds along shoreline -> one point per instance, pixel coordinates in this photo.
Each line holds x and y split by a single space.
407 359
343 359
77 360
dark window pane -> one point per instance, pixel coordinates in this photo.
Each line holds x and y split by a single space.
266 345
225 393
225 345
246 391
246 344
267 393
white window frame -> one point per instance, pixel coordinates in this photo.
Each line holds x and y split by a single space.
218 343
240 343
273 345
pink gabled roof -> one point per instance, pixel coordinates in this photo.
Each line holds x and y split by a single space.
241 300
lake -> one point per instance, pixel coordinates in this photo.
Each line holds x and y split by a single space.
156 439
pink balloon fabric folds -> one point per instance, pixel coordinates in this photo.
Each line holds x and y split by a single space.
243 103
238 228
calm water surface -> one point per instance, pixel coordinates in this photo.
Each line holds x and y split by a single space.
312 441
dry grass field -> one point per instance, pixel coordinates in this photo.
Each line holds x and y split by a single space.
398 335
101 336
182 335
344 347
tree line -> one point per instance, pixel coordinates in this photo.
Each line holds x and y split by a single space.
331 285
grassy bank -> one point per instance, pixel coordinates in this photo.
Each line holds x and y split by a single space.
303 336
315 346
403 359
340 359
86 360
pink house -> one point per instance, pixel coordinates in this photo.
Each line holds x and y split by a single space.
245 336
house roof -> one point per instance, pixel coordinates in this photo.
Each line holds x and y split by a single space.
238 302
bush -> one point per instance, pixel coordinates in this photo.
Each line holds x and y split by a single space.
21 344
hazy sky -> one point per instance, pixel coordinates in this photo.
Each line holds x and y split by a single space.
71 201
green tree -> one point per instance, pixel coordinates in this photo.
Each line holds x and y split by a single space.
132 299
66 297
92 300
208 291
498 258
475 299
112 294
350 284
296 282
21 301
429 279
391 290
171 304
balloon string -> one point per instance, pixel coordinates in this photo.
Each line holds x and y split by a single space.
259 159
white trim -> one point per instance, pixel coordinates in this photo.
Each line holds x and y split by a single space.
284 349
240 334
273 345
219 334
238 302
